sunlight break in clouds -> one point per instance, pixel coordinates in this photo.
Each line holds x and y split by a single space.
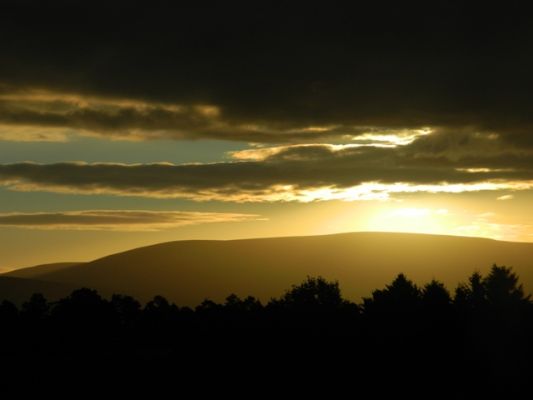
118 220
386 139
381 191
264 153
366 191
393 138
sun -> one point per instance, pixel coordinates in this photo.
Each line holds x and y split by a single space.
410 219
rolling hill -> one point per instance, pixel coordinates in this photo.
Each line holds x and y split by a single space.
187 272
37 271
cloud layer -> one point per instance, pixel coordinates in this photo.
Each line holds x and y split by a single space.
295 172
117 220
42 115
267 73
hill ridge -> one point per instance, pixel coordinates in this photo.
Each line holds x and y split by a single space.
188 271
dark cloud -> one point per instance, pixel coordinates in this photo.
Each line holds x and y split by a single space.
290 170
117 219
386 64
52 113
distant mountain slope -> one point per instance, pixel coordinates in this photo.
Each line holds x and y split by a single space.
38 270
186 272
19 290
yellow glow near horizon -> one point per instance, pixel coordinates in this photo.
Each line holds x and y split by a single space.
442 221
411 219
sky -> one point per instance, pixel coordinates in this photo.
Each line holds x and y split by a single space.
124 125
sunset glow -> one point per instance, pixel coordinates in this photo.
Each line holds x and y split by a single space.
110 142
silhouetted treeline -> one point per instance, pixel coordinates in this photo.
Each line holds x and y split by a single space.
472 343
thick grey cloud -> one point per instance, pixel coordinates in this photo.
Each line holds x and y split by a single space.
400 65
118 220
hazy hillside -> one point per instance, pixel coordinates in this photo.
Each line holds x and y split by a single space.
189 271
37 271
